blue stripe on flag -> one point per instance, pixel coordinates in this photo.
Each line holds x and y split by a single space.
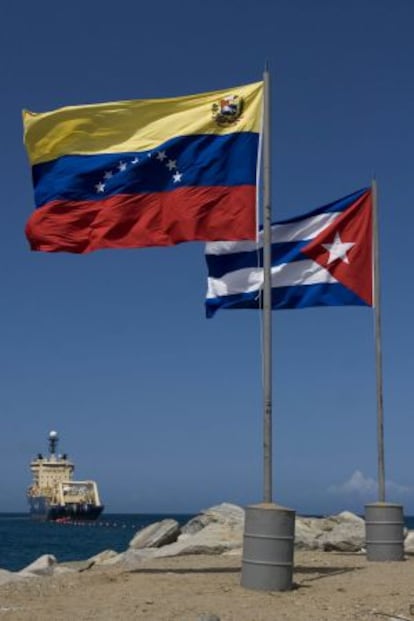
220 264
338 205
201 160
326 294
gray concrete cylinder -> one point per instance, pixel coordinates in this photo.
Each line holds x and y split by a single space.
384 532
268 545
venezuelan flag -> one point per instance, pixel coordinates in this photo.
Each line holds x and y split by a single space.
142 173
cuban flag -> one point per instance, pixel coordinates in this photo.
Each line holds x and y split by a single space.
322 258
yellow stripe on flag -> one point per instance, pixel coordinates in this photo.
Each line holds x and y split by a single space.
136 125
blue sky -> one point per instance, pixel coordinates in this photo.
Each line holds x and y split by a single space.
161 406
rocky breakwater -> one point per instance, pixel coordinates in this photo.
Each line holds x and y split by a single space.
217 530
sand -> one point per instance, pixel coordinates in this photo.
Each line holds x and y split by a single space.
328 586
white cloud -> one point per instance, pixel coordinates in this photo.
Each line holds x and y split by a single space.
362 486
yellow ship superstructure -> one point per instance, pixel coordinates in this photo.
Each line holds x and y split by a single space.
53 495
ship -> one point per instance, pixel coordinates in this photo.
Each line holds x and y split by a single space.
54 495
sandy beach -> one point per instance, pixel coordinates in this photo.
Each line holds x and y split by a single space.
328 587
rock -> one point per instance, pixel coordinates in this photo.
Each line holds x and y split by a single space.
156 535
78 566
325 524
62 569
222 533
193 547
343 532
307 534
9 576
234 552
113 560
100 558
224 513
196 524
208 616
346 535
43 566
219 530
131 559
409 542
5 576
347 516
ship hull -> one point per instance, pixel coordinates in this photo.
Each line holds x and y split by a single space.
41 509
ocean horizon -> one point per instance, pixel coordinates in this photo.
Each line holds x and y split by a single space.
23 539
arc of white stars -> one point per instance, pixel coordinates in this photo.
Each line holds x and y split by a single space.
170 164
338 249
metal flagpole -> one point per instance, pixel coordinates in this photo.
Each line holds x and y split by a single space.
267 295
384 521
378 349
268 539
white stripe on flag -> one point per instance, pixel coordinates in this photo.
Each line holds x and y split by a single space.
249 279
302 230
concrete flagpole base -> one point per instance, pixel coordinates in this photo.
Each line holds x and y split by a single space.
384 531
268 546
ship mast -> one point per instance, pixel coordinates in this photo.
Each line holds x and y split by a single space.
53 441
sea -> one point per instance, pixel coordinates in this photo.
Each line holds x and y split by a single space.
23 540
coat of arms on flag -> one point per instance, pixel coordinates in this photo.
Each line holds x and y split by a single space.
228 110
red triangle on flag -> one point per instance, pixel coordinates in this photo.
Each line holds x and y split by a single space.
344 248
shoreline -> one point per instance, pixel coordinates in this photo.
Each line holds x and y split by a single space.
328 586
224 523
180 573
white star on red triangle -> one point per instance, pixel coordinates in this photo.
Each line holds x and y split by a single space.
338 249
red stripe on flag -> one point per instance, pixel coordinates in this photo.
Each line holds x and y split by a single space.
142 220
